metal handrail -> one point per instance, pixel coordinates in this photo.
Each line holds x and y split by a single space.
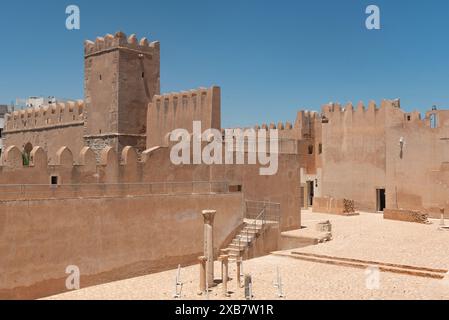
261 217
272 210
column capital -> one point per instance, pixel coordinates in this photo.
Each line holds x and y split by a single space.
209 216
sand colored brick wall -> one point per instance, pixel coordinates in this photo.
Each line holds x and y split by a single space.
178 111
108 238
122 75
49 127
406 215
154 166
353 159
362 153
328 205
418 178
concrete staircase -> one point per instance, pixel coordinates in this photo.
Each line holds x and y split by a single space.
244 239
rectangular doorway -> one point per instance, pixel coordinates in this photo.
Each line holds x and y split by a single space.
310 193
380 193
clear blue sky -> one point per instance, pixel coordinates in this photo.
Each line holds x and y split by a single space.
271 58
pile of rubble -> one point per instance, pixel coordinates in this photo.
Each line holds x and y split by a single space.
349 206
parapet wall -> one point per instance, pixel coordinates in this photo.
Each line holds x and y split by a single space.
45 117
108 239
178 111
354 157
49 127
153 174
365 149
119 40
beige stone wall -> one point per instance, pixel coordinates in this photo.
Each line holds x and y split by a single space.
156 166
283 187
406 215
418 179
353 159
49 127
108 238
122 75
362 153
178 111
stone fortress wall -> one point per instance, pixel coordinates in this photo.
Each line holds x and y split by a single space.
362 153
100 191
178 111
50 127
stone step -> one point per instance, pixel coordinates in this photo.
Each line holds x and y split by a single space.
244 239
250 230
241 242
233 251
237 246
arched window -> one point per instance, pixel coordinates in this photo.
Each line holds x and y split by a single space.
26 154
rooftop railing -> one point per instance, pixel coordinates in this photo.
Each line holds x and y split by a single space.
47 191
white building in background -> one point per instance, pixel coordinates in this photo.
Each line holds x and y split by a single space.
4 109
39 101
35 102
31 102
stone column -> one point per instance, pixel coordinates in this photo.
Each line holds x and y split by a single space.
202 261
208 216
239 266
224 262
248 287
442 217
224 259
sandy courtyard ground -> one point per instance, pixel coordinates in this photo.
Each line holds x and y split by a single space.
367 237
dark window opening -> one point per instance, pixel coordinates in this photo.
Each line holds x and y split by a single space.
310 193
380 193
101 77
310 149
1 131
235 188
320 148
409 118
54 180
143 74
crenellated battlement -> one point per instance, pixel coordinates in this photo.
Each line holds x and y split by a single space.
179 110
183 99
332 108
59 114
70 168
120 40
280 126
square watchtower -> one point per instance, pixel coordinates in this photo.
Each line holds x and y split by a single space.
121 76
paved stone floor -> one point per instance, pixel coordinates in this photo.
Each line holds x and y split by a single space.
367 237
